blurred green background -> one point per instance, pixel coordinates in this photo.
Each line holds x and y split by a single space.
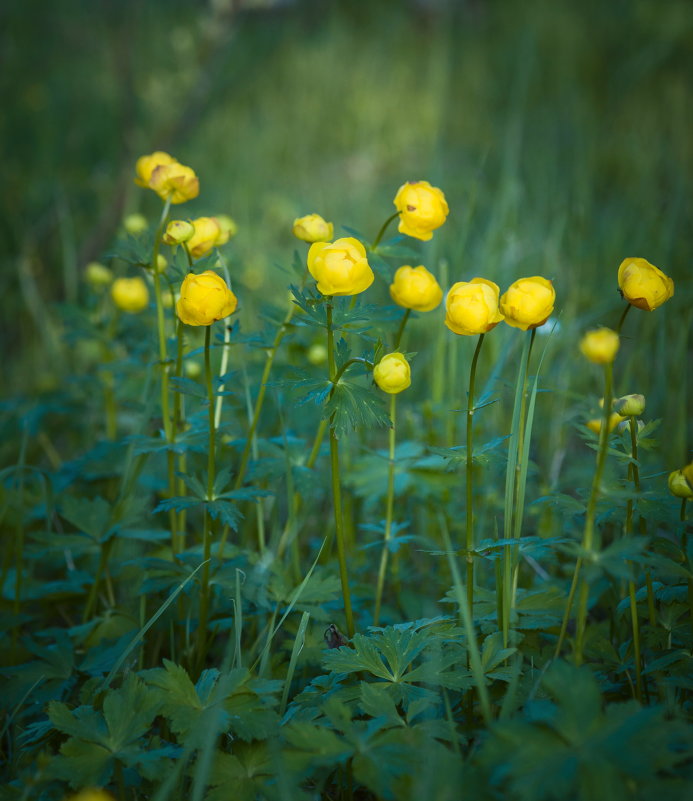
559 131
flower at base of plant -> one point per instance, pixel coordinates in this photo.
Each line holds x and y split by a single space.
130 294
340 267
207 236
600 345
643 285
528 302
204 299
91 794
177 232
630 405
145 166
392 373
192 369
135 223
471 307
98 275
175 181
317 353
313 228
416 288
678 484
228 228
422 208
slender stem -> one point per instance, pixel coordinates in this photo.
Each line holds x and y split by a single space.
400 330
684 543
623 318
93 592
160 322
336 487
381 232
347 364
177 538
225 349
470 474
206 544
389 508
633 474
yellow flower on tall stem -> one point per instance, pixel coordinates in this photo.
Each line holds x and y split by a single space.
340 267
313 228
528 302
422 208
643 285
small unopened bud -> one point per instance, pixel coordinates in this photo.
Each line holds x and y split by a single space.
161 263
98 275
192 368
177 232
678 484
317 354
228 228
630 405
135 223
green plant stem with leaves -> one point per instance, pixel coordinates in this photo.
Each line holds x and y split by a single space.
634 476
588 534
383 228
207 534
389 508
336 483
177 520
469 539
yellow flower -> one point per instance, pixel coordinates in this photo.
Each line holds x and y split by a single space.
98 275
644 285
340 267
130 294
161 263
614 420
678 484
471 307
600 345
528 302
91 794
177 232
317 353
415 288
145 166
206 237
313 228
392 373
228 228
135 223
175 181
205 298
422 208
688 473
630 405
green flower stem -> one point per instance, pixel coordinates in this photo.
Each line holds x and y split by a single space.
684 542
633 474
336 486
160 322
106 548
347 364
177 533
389 508
226 349
623 318
470 470
206 536
381 232
400 330
588 534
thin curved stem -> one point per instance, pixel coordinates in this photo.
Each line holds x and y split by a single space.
623 318
470 472
389 509
400 330
160 322
634 475
382 230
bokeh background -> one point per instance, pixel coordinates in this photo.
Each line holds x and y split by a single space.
559 131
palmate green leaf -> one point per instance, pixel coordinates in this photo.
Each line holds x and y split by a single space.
378 704
481 455
129 712
242 775
225 511
82 764
493 653
186 386
83 722
355 407
134 250
90 515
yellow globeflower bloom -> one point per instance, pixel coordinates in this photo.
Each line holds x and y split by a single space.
600 345
130 294
98 275
206 236
228 228
614 420
340 267
313 228
135 223
145 166
415 288
644 285
678 484
175 181
91 794
422 208
392 373
688 473
205 298
177 232
471 307
528 302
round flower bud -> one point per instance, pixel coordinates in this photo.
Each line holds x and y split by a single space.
145 166
471 307
317 353
228 228
130 294
630 405
679 486
161 263
192 369
175 181
177 232
392 373
528 302
688 473
98 275
600 345
206 236
340 267
422 208
415 288
168 300
644 285
135 224
313 228
205 298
